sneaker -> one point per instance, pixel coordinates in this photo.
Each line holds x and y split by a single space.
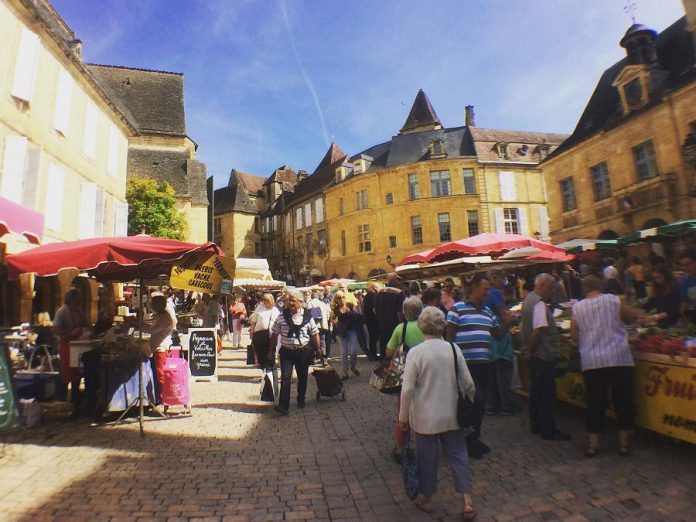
474 454
280 409
491 411
558 436
355 371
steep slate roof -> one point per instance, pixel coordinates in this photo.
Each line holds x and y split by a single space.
322 176
422 114
485 140
234 197
154 98
676 60
249 182
284 175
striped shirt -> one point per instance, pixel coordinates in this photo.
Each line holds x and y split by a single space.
282 329
474 327
603 338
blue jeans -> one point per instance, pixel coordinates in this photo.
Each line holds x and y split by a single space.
454 446
300 359
349 350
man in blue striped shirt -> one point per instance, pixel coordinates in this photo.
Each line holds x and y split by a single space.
471 324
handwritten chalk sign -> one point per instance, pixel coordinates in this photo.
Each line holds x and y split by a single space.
9 416
203 353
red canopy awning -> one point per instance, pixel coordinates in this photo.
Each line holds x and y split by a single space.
488 244
20 220
106 258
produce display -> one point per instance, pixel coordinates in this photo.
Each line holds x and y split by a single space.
673 341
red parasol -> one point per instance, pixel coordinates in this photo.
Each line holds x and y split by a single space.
420 257
106 258
491 244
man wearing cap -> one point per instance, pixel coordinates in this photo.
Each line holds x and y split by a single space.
389 309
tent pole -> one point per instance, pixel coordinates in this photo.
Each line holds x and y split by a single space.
141 397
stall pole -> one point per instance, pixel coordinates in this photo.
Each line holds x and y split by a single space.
140 368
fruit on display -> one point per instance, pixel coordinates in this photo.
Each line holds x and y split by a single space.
664 342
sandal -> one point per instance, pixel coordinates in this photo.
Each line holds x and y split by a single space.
625 451
469 512
424 505
591 452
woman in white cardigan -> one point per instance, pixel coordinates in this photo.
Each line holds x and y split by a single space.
429 405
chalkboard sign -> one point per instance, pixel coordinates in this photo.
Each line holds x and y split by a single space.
203 353
9 416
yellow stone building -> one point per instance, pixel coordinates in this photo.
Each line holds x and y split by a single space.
429 185
63 144
631 160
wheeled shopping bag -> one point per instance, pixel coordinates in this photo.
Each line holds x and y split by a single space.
175 391
329 383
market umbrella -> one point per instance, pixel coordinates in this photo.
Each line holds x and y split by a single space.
108 259
420 257
648 234
594 244
488 243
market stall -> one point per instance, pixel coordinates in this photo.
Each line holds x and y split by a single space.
113 259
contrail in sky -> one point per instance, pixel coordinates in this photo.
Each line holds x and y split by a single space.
306 77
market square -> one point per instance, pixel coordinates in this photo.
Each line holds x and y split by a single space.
480 305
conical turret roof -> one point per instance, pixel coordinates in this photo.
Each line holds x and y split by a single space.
422 116
332 156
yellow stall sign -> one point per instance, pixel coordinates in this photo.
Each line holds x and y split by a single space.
202 272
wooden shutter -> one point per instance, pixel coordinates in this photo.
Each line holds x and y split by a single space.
31 176
53 206
114 144
522 223
13 165
508 190
499 221
89 142
88 196
121 220
308 214
61 116
298 218
99 210
25 65
544 222
319 206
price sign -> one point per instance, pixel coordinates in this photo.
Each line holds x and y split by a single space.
203 353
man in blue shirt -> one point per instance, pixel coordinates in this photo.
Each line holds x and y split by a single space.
499 395
471 324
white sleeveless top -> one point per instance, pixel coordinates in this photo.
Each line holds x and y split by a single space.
603 337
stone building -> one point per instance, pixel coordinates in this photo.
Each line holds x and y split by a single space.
631 160
305 225
63 150
430 184
161 148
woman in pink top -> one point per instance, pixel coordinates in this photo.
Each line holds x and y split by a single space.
238 313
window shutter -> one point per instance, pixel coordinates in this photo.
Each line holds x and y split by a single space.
53 207
308 214
89 142
114 144
522 222
13 162
99 208
31 177
88 195
544 223
61 116
25 65
499 221
121 220
319 207
508 191
298 218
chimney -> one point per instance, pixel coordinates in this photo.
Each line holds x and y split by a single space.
469 116
301 174
76 48
690 9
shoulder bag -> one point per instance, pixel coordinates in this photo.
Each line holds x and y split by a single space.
465 406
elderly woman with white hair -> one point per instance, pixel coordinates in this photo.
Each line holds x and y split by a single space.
429 396
299 342
262 321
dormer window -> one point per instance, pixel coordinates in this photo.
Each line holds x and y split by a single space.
633 92
437 149
343 171
633 84
543 151
502 149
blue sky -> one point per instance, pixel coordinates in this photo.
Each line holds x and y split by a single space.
270 82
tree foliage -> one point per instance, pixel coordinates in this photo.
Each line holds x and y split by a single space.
151 204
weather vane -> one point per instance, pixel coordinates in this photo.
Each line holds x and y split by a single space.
630 8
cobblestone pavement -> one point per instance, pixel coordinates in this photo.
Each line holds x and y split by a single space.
236 460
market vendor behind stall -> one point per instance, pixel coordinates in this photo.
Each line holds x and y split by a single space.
160 328
69 325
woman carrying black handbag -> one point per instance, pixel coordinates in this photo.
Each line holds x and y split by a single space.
262 321
430 394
